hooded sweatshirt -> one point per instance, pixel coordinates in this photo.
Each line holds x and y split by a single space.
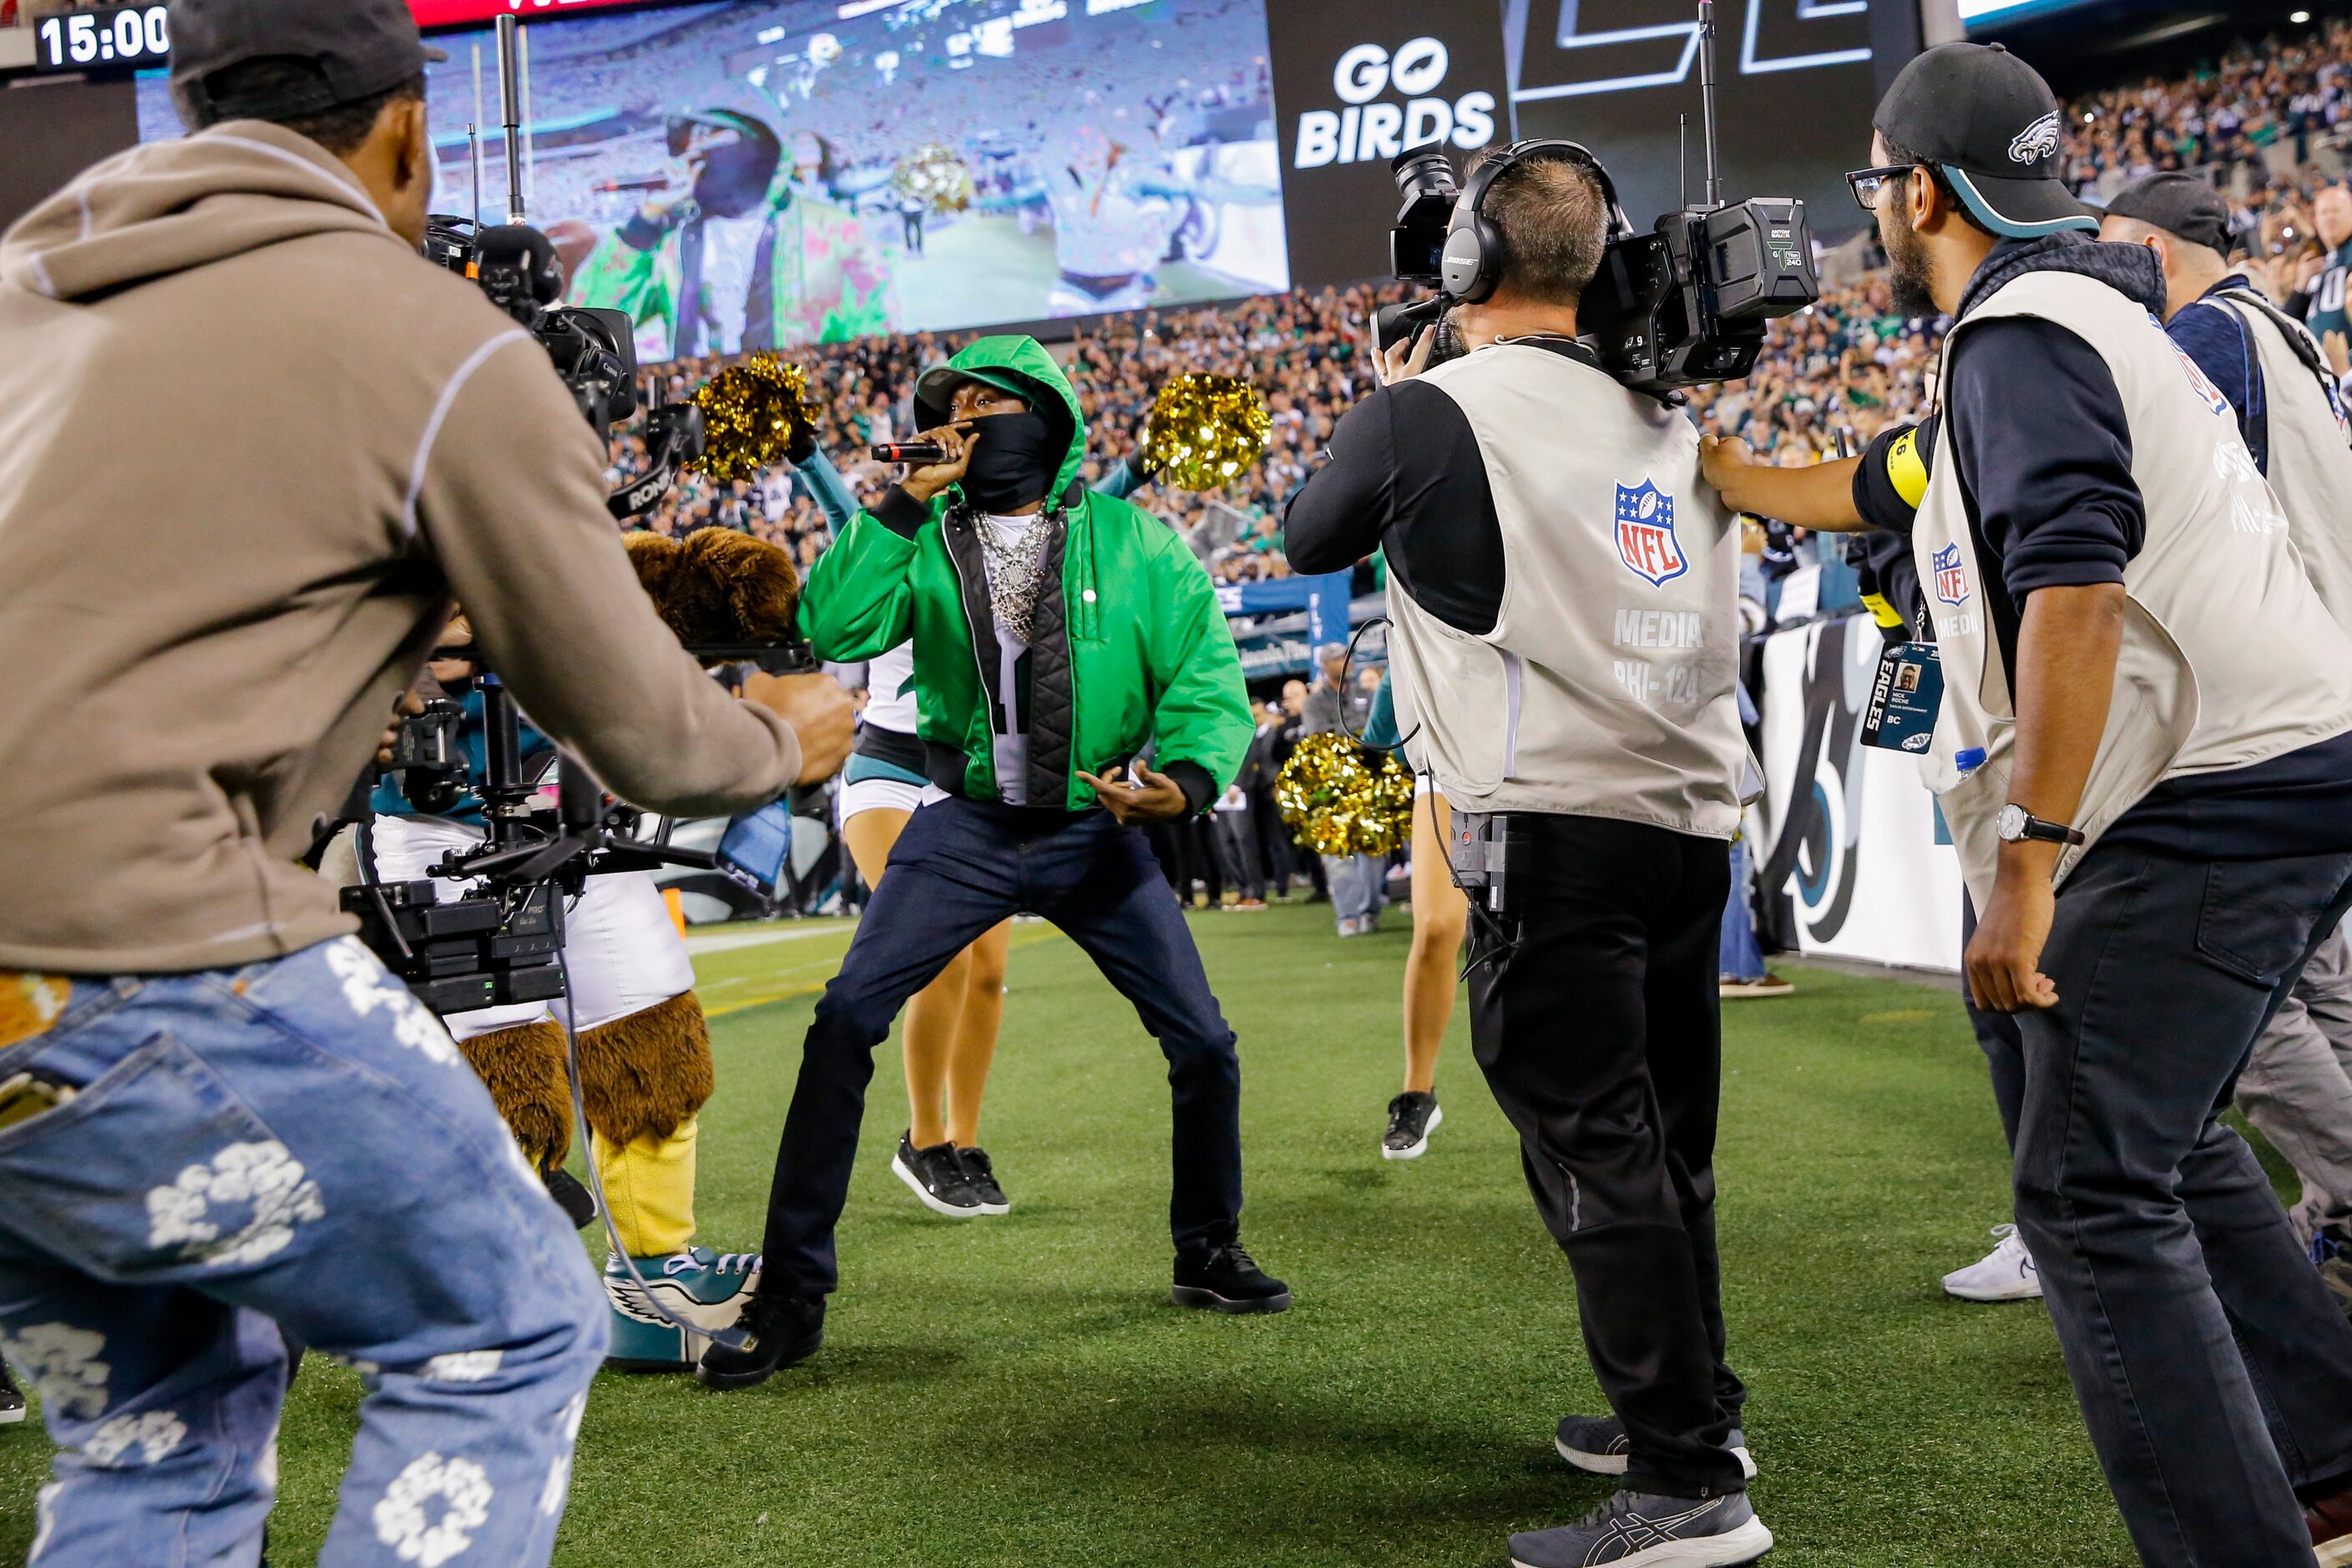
1128 647
254 443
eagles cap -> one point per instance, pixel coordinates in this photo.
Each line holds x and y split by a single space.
361 47
2181 205
1989 123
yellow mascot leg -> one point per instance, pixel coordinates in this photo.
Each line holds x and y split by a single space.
649 1182
643 1079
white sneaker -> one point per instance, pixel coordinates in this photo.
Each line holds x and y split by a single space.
2005 1274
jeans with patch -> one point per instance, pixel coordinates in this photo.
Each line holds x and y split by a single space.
293 1145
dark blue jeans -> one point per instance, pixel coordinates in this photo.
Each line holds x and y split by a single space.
2214 1373
959 867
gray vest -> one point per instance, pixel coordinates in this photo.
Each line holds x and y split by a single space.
2310 455
2228 657
1605 688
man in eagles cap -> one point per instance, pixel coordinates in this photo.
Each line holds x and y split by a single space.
2144 752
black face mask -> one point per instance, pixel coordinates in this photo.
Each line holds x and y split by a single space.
1013 464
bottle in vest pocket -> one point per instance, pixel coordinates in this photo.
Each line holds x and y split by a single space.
1904 699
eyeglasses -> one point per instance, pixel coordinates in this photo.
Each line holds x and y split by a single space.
1866 183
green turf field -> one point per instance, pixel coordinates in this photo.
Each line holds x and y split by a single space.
1015 1393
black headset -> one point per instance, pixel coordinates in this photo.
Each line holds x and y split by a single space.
1472 263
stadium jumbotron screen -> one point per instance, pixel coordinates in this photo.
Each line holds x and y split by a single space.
817 171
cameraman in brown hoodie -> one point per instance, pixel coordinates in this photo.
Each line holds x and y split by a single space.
253 444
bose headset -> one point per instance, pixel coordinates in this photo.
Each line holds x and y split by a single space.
1472 262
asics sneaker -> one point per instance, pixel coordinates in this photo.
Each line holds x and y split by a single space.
1597 1446
2004 1274
982 1177
1227 1279
706 1288
937 1177
1633 1528
781 1330
1412 1117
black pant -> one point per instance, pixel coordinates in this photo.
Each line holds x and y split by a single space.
2213 1372
1600 1036
959 867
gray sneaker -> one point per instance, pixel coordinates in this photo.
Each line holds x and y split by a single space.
1597 1446
1636 1528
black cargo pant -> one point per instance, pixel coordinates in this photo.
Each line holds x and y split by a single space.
2213 1371
1600 1036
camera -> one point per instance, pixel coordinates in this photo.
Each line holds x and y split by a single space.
429 757
1684 305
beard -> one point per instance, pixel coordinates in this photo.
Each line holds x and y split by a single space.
1911 278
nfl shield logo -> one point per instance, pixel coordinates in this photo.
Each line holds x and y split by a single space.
1645 534
1951 577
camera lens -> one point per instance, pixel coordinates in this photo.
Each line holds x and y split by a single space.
1425 171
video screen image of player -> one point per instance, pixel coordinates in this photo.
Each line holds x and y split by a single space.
756 175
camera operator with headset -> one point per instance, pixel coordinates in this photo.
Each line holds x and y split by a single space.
220 1118
1564 642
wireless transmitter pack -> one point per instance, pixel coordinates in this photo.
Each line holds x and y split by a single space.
1684 305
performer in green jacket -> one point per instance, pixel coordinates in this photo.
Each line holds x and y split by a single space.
1058 635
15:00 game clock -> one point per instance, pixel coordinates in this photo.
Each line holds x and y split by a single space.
134 37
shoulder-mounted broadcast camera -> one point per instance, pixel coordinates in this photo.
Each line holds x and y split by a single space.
594 350
1684 305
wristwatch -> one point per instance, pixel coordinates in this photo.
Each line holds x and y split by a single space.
2015 824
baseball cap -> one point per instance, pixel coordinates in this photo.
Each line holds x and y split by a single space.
2181 205
361 47
1989 123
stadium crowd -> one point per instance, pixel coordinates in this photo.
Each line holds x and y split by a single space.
1851 363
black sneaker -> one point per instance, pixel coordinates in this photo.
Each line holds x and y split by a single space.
1412 1117
1228 1280
12 1400
935 1175
982 1177
1597 1446
578 1203
783 1330
1637 1528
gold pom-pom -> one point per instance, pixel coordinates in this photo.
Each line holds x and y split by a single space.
750 413
935 175
1339 803
1206 431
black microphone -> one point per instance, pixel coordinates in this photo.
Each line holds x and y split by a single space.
915 452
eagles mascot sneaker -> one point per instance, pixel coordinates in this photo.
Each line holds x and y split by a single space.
705 1288
1597 1446
1635 1529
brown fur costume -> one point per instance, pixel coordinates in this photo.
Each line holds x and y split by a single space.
523 1069
715 585
642 1075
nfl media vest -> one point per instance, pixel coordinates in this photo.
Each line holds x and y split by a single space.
1605 688
2310 456
2228 657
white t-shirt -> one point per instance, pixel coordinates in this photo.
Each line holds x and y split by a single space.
890 690
1005 717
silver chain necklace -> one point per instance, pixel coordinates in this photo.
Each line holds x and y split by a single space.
1015 570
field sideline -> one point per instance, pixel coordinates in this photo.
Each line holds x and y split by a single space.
1015 1393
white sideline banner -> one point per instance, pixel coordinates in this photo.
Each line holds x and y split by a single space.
1845 835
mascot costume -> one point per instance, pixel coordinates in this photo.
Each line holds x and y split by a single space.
645 1052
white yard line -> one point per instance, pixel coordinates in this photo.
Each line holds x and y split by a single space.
727 942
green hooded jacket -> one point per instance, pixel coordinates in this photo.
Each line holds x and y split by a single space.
1129 646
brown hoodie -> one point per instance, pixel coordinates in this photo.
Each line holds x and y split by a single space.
250 444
